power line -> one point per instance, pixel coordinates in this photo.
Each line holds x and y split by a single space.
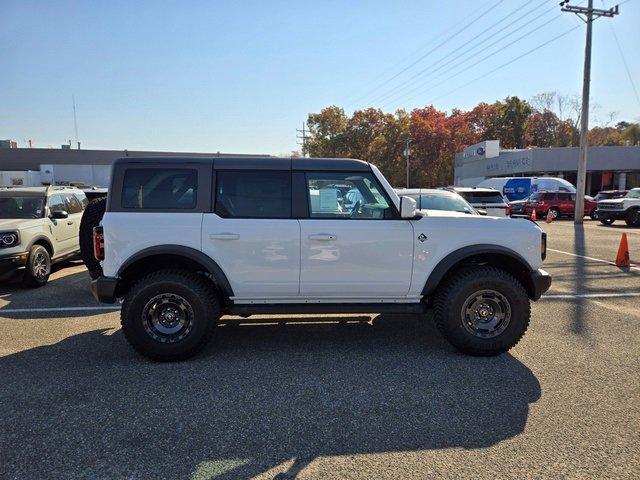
450 37
624 60
429 69
528 52
486 57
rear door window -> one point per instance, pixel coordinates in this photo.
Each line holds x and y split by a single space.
73 205
160 188
253 194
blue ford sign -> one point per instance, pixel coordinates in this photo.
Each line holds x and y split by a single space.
480 150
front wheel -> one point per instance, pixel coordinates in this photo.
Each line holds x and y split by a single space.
632 218
594 214
170 315
482 310
38 267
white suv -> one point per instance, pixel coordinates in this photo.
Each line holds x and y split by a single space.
626 208
486 199
184 241
38 227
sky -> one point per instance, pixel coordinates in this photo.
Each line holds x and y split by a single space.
242 76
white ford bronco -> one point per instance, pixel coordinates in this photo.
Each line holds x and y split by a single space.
626 208
184 241
38 227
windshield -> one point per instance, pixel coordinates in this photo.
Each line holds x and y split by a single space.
21 207
444 201
482 197
635 193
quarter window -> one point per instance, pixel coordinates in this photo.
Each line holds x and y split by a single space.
253 194
346 195
160 188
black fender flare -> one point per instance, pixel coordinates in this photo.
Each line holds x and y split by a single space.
46 239
461 254
212 267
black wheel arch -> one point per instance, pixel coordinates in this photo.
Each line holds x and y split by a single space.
44 241
481 254
175 256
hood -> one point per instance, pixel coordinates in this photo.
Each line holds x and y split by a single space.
19 223
613 200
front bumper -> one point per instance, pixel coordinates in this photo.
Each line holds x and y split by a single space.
13 262
615 214
104 289
540 283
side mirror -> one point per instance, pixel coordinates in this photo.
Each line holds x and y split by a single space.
407 207
481 212
59 214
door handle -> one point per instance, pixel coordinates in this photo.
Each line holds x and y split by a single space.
323 237
224 236
69 223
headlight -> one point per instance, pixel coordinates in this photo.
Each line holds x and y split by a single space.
9 239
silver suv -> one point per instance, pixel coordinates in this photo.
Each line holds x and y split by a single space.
38 227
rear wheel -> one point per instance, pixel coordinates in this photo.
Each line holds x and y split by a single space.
632 218
594 214
91 217
170 315
482 310
606 220
38 267
555 213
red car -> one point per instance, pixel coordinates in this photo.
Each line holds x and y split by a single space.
559 204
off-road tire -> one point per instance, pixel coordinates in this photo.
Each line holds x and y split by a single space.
632 218
195 289
31 277
91 217
450 299
606 220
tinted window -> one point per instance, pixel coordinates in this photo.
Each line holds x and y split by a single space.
346 195
248 194
83 199
445 201
482 197
72 204
56 204
160 188
21 207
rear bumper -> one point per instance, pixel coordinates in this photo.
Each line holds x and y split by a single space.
15 261
615 214
540 283
104 289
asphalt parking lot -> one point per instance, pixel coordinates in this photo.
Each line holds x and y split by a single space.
372 397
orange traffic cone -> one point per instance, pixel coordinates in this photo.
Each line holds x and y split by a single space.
549 218
622 259
533 216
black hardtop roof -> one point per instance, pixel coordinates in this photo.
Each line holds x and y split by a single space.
255 163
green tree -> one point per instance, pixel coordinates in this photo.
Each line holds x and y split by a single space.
514 114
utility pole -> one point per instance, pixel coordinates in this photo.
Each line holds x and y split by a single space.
302 135
588 15
407 152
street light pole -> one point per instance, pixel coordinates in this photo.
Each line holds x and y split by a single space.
406 156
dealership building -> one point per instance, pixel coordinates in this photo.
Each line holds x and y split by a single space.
608 168
35 166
